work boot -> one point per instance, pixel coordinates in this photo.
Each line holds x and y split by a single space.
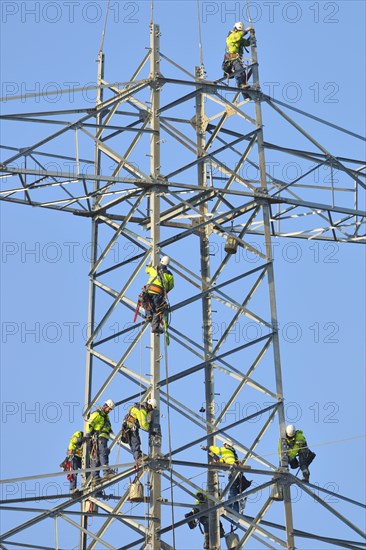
76 492
157 331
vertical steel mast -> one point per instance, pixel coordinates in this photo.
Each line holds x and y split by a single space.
92 288
212 476
283 486
155 355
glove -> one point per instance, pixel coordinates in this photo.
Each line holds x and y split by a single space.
204 447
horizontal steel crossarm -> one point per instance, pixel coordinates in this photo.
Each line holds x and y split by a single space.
70 177
72 512
53 512
93 112
344 520
102 126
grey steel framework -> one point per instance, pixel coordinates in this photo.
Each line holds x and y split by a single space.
185 205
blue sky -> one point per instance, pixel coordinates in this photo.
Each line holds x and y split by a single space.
311 55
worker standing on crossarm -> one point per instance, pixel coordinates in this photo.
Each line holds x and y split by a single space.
161 281
73 458
138 416
298 452
227 455
98 432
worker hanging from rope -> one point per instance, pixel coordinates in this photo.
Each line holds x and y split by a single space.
201 505
153 297
233 59
73 459
138 416
98 432
298 453
227 455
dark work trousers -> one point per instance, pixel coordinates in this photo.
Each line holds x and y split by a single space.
156 300
239 71
135 444
304 461
102 458
76 465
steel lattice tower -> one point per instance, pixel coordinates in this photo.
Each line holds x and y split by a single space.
180 206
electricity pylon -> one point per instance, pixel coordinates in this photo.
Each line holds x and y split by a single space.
185 200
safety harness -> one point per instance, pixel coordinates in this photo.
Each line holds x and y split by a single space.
145 302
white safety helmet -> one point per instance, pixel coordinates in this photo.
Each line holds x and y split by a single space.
165 260
110 404
239 26
290 430
152 402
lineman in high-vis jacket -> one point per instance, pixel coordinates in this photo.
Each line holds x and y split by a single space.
73 458
138 416
98 432
233 60
298 452
161 281
227 455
